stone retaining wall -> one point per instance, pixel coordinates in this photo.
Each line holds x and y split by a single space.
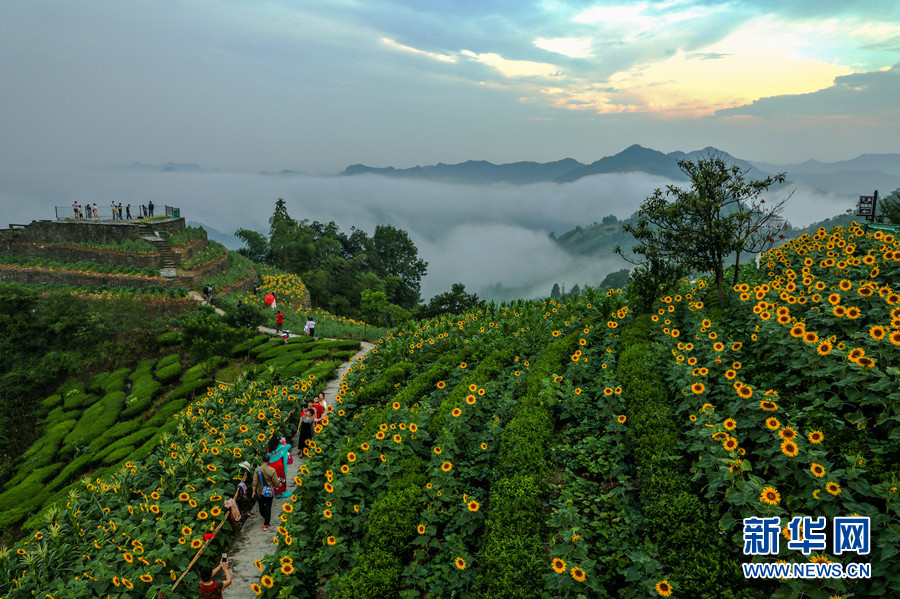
51 231
193 278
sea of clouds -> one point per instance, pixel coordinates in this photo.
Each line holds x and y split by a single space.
477 235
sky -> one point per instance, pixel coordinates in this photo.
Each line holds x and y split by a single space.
240 87
315 86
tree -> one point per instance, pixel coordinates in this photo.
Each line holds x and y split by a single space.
575 290
554 293
455 301
395 255
890 206
256 245
698 227
616 280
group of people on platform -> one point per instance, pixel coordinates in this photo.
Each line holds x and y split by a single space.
89 211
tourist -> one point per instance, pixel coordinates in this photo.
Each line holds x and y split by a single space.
277 456
210 589
112 209
75 209
150 209
319 408
321 399
96 211
305 428
279 320
264 476
128 212
143 211
119 210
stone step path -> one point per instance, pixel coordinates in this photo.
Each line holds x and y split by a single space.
252 542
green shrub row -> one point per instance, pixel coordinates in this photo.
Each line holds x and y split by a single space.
511 559
685 529
143 392
142 370
382 387
166 373
390 529
186 390
243 347
169 338
94 421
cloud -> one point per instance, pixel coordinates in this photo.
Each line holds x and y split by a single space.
862 97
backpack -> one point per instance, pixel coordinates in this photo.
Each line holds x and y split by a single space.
266 491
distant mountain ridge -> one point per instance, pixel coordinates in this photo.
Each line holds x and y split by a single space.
859 175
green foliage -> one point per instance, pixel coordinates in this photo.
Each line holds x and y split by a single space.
127 246
185 236
169 338
890 207
337 267
79 266
213 251
455 301
168 370
376 576
700 227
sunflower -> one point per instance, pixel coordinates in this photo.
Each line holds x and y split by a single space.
622 418
698 388
816 437
833 488
664 588
456 412
473 506
730 424
364 447
420 529
787 433
447 466
329 488
558 565
287 569
146 578
817 469
770 495
789 448
745 391
128 584
267 581
730 444
327 513
773 423
578 574
460 563
441 384
768 406
730 374
196 544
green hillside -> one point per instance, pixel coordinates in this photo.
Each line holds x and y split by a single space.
535 449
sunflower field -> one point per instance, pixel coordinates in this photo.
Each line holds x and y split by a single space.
560 448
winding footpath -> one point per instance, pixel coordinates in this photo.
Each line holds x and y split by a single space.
252 543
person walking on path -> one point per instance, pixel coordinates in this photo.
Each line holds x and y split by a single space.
305 428
265 476
279 320
210 589
278 457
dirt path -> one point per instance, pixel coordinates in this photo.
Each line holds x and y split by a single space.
252 542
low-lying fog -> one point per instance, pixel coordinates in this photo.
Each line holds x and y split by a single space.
477 235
